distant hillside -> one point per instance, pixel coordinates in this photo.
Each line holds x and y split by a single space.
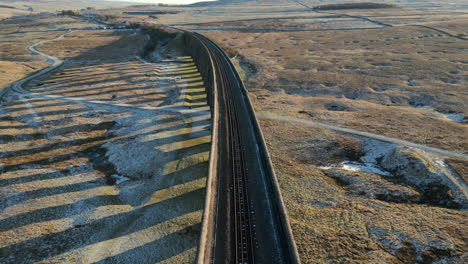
9 8
53 5
354 6
219 2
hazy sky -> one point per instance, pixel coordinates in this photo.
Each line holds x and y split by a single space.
174 2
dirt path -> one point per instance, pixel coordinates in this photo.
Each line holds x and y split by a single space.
56 62
367 134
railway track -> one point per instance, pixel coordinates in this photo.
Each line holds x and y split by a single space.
242 213
244 219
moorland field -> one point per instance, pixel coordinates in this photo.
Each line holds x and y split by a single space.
363 110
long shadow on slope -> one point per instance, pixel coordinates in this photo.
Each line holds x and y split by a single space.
85 143
55 241
137 255
145 88
36 177
66 210
53 244
59 131
56 203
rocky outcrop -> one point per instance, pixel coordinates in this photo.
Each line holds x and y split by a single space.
374 186
424 175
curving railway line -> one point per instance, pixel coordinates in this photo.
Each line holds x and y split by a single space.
236 237
244 220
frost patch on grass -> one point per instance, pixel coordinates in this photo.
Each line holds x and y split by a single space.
459 118
422 171
455 117
357 167
425 173
374 187
119 179
135 160
374 151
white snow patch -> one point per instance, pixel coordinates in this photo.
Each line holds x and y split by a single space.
119 179
459 118
357 167
375 149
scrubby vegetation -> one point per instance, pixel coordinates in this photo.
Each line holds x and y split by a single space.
140 13
230 51
69 13
108 18
248 64
354 6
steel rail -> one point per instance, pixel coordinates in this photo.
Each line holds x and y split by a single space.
241 214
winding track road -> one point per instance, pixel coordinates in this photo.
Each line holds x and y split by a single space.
425 148
56 62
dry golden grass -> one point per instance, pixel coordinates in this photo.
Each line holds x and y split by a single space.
12 71
365 79
19 33
8 12
98 47
457 28
22 7
397 81
460 166
333 223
